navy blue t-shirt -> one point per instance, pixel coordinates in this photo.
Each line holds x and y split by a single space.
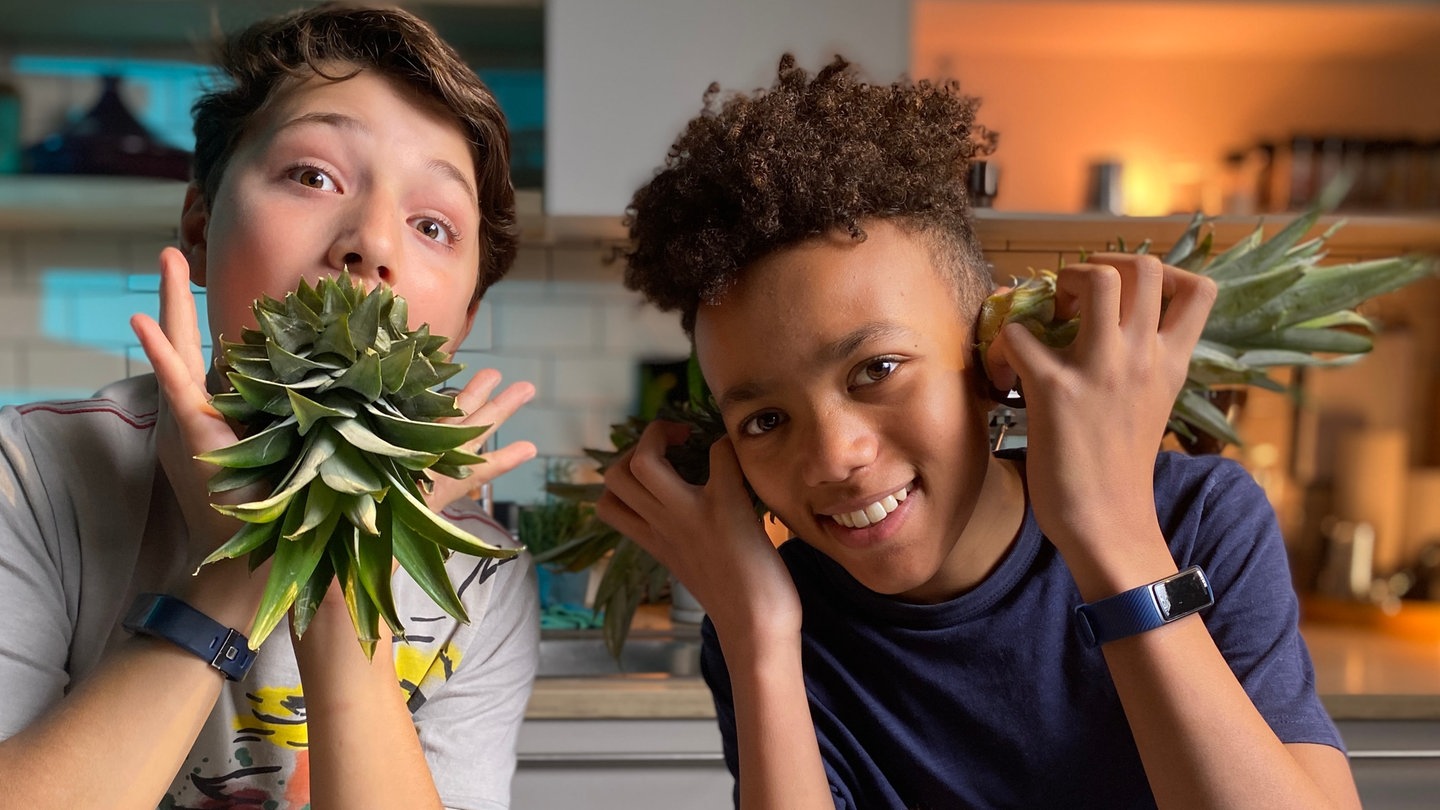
992 700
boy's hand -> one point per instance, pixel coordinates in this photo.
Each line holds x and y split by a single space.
1097 410
708 536
481 409
186 424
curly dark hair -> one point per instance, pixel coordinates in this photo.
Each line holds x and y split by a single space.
389 41
771 169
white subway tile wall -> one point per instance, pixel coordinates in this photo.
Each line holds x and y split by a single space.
560 320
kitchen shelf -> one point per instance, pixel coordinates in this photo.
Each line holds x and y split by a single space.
64 203
70 203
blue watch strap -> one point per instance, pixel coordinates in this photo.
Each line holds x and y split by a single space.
1144 608
162 616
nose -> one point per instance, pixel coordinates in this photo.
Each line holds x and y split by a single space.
840 442
368 241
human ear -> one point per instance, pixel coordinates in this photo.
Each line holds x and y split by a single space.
194 223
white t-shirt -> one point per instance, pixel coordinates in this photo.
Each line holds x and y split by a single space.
79 485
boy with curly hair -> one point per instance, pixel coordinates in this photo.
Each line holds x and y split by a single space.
343 138
917 644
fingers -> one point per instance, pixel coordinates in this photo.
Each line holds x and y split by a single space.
501 461
1191 296
650 466
642 478
613 509
1121 299
477 390
178 319
179 387
1142 279
480 409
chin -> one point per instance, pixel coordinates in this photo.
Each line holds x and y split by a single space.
892 580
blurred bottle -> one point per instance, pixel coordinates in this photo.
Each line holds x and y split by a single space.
1241 180
1103 192
1301 172
983 183
1265 177
1430 170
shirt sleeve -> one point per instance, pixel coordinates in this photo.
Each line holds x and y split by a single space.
1255 619
470 726
35 626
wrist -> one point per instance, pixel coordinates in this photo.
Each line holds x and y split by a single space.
181 624
1115 559
227 591
1144 608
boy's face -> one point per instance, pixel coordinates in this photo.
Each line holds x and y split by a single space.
841 369
332 174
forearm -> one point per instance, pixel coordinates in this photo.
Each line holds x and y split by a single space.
1201 738
1202 741
122 734
780 765
364 752
119 738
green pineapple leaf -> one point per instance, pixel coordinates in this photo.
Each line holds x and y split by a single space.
264 448
335 395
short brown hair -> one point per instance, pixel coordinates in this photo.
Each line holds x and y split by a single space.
392 42
766 171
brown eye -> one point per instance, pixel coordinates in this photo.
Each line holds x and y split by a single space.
762 423
874 371
436 230
311 177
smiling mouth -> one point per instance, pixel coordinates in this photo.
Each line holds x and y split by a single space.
874 513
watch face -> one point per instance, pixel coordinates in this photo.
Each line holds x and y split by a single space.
1184 593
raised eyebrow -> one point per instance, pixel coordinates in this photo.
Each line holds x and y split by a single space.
851 341
349 122
331 119
739 395
450 170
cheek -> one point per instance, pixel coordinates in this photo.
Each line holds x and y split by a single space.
768 476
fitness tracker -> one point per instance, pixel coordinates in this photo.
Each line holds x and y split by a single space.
1144 608
161 616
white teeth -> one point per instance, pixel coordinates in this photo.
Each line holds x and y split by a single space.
872 514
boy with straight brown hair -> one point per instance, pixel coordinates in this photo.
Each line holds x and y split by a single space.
1091 624
344 139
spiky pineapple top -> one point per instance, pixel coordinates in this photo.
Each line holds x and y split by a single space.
1276 306
337 397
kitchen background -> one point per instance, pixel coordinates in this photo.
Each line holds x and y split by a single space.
1116 119
1231 108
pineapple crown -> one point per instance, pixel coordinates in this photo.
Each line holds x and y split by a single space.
337 395
340 342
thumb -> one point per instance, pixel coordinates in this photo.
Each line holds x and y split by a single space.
1016 355
725 466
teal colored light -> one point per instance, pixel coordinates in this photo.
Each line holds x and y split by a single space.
169 87
92 307
521 93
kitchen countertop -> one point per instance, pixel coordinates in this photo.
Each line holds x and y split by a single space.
1361 675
